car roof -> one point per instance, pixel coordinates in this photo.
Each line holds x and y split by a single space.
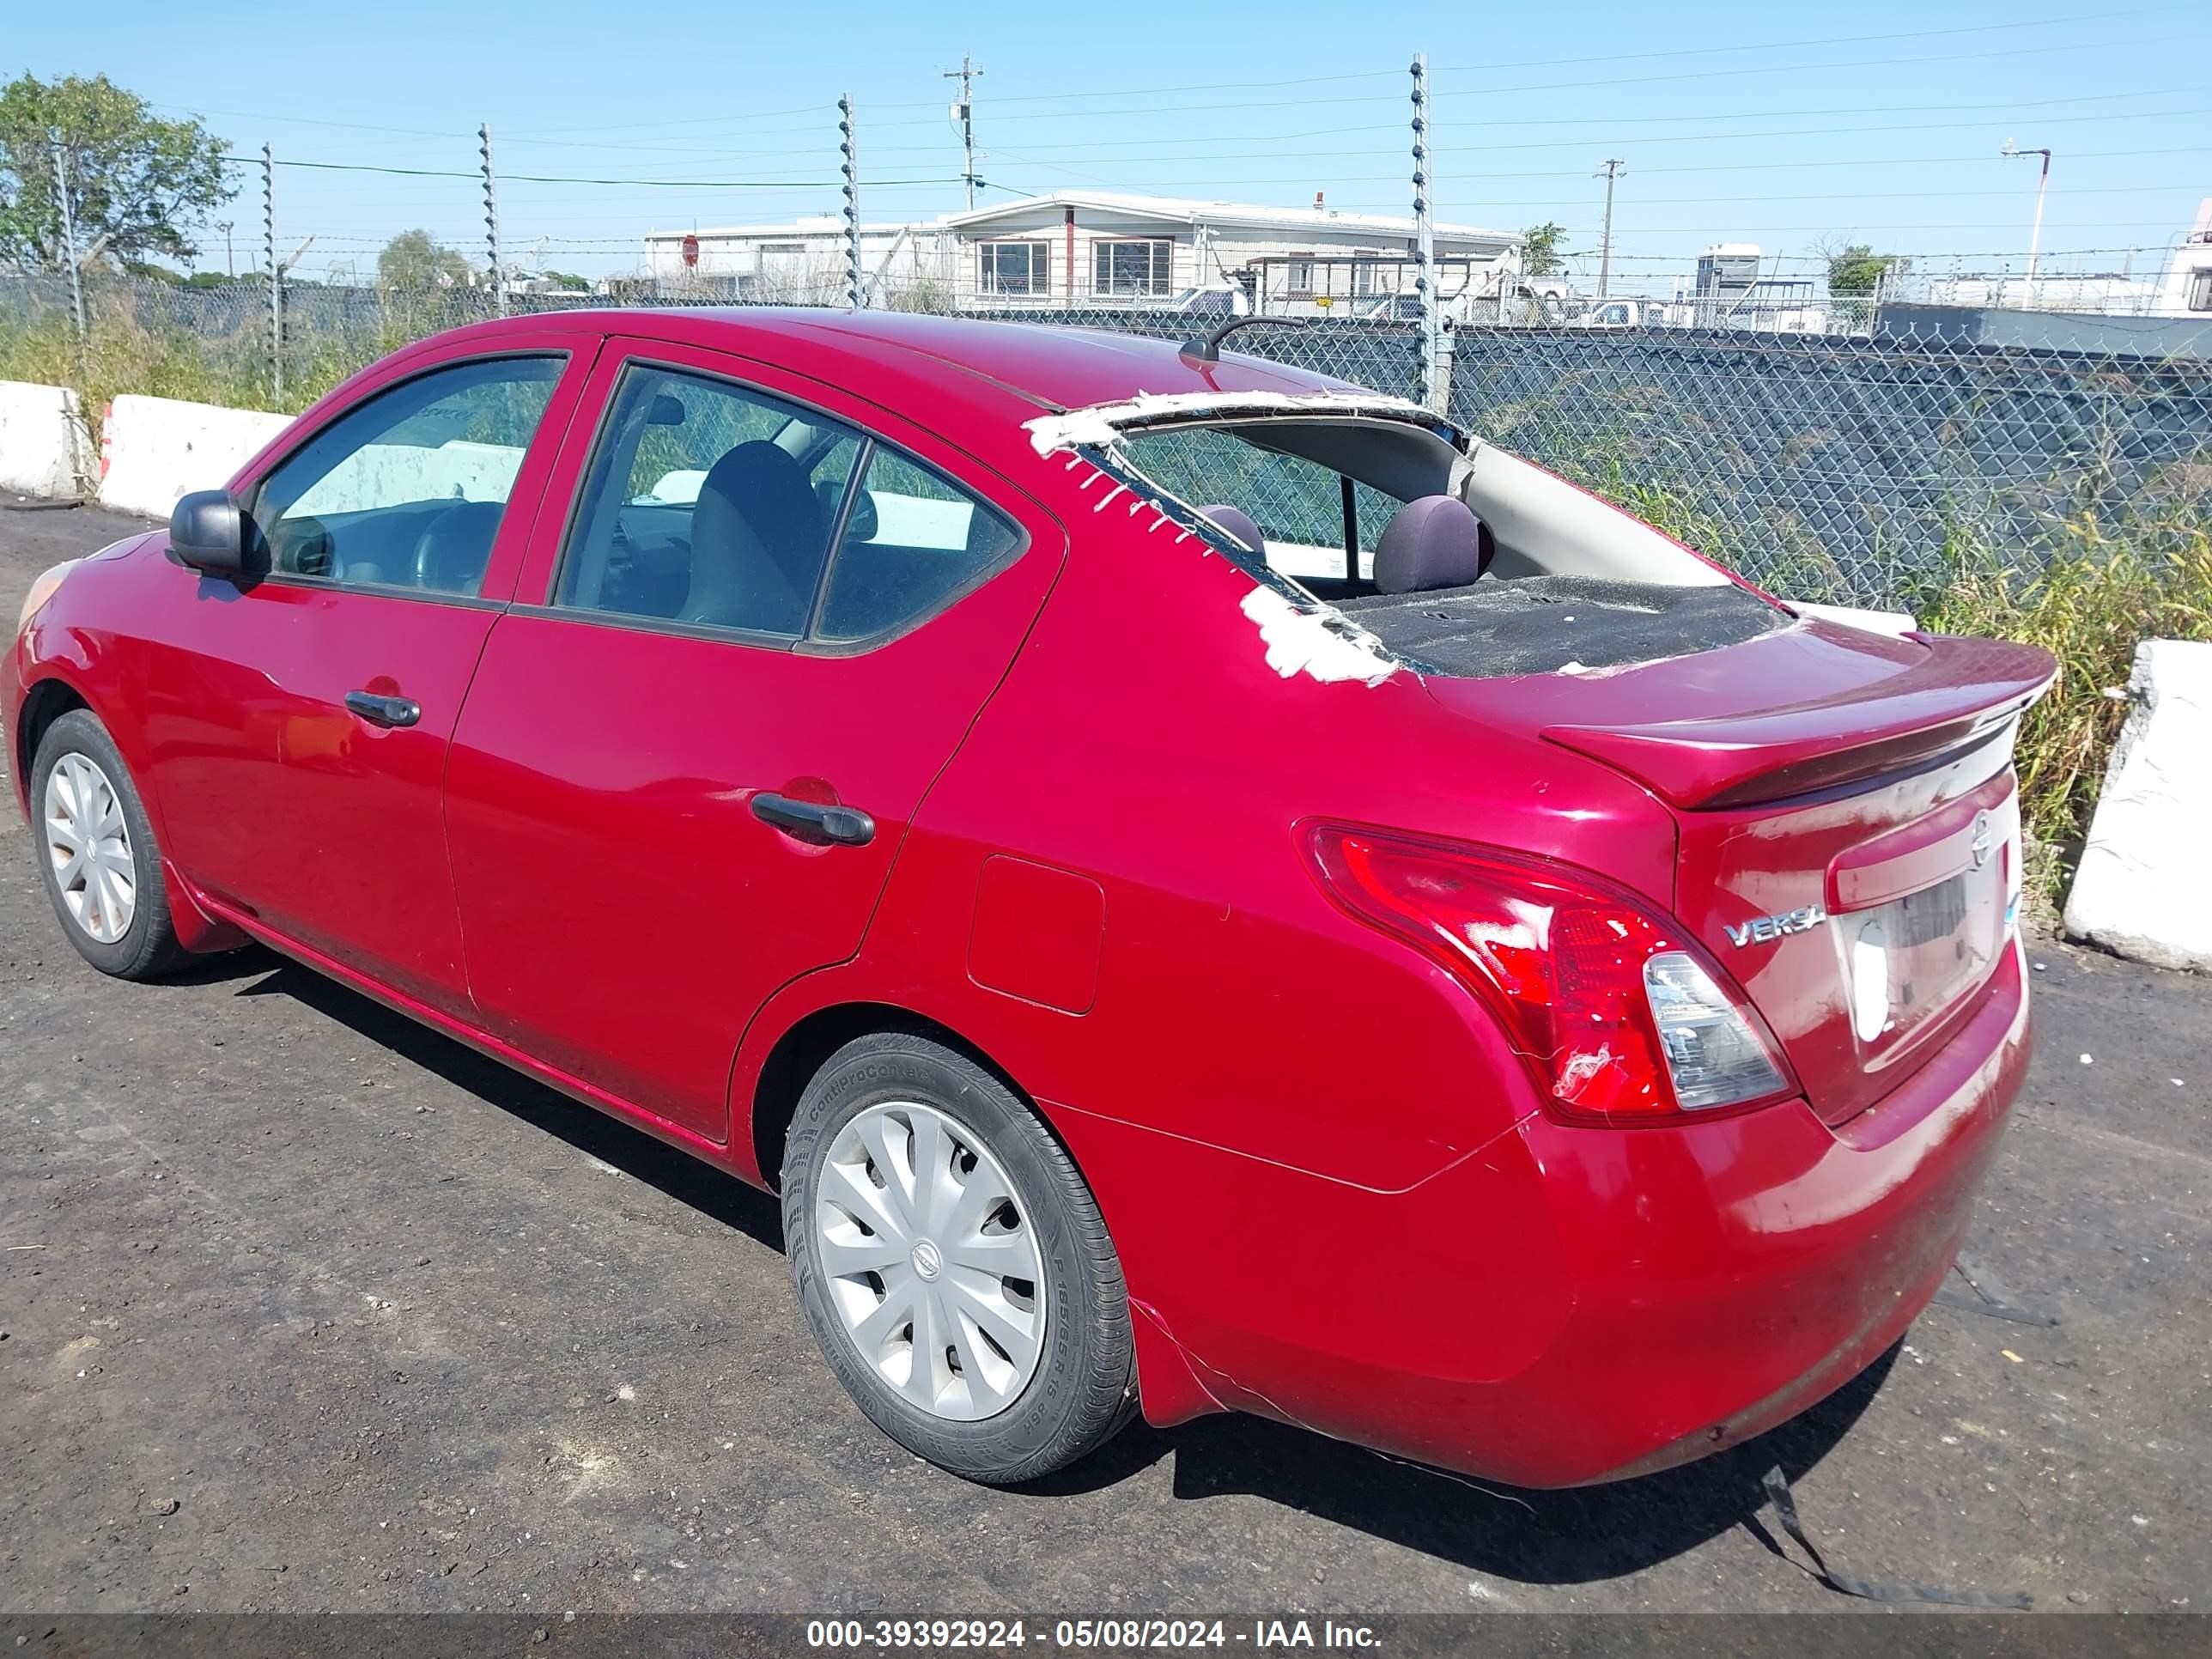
1053 367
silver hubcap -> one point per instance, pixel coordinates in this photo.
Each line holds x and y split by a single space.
930 1261
89 843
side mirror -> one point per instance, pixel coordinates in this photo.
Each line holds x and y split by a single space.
208 532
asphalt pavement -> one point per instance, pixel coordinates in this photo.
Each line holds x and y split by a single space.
303 1307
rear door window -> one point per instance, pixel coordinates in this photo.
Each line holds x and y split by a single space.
708 503
914 542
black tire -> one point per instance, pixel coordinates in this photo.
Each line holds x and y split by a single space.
1084 1386
147 948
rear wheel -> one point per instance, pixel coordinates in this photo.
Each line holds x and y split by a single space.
953 1263
97 854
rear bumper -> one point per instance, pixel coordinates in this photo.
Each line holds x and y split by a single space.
1573 1305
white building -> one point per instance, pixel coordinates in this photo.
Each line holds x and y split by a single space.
2187 289
800 263
2182 289
1100 249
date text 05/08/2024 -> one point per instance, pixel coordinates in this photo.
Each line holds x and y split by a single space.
1108 1634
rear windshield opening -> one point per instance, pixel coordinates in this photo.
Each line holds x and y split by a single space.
1467 566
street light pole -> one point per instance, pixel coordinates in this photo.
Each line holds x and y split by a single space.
1609 172
2035 235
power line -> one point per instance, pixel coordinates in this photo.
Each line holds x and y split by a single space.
1611 123
1062 97
554 179
1548 63
1576 173
1212 158
1494 91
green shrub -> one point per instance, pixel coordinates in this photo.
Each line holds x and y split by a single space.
2093 593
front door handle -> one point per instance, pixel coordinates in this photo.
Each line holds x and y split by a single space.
811 821
379 710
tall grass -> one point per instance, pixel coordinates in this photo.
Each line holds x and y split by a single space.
2087 585
126 350
2101 587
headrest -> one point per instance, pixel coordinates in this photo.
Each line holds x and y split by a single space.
1435 541
769 491
861 522
1237 523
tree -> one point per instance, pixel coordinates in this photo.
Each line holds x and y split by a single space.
413 260
137 185
1855 270
1542 246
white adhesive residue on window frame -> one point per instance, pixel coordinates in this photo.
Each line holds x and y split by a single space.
1301 641
1102 423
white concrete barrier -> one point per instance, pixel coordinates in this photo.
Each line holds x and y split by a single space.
43 448
380 475
2145 885
159 448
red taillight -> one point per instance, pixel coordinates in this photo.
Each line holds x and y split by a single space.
1620 1018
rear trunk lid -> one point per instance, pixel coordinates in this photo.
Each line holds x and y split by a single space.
1848 823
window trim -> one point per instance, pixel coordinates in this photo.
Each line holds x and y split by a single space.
2199 296
1104 245
804 644
1040 277
632 364
250 506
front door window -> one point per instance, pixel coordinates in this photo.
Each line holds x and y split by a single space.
407 490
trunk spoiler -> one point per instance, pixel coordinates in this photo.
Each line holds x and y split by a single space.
1961 691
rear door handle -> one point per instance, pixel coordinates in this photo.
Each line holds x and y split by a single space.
811 821
379 710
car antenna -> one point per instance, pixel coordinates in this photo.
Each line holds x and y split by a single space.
1207 348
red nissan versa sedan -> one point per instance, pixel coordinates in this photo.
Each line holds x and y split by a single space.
1204 886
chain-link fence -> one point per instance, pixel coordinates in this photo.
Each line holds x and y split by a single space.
1856 469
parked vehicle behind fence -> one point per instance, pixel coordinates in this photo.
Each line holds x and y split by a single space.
1202 886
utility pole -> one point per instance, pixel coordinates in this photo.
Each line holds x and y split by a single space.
1432 389
230 252
965 110
2035 236
491 221
1609 172
847 146
69 243
276 275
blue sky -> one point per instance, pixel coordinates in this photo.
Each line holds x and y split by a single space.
1792 128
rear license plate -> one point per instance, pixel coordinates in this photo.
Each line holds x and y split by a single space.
1908 961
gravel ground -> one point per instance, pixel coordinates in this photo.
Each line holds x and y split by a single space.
306 1308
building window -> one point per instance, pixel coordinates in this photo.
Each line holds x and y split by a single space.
2200 290
1132 267
1017 267
1300 280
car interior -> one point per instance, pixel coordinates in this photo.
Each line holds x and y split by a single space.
407 490
741 544
1476 565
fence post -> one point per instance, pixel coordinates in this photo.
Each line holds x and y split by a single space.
491 221
68 249
276 275
1433 388
855 293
